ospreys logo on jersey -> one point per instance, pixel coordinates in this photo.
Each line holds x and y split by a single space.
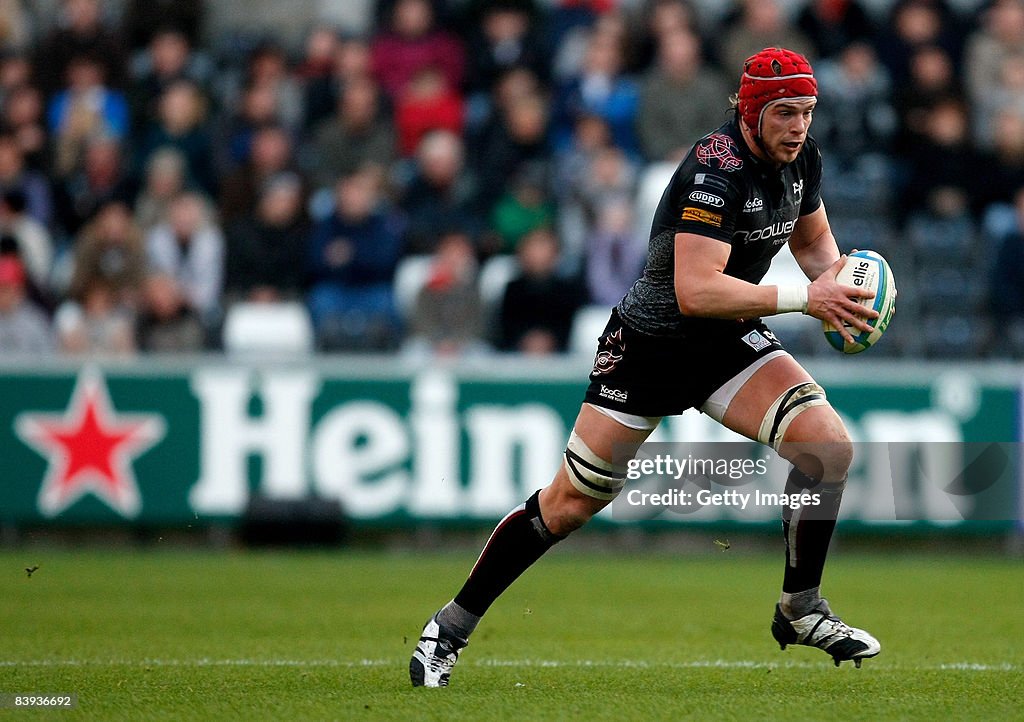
609 354
719 151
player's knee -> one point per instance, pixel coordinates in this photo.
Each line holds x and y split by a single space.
819 445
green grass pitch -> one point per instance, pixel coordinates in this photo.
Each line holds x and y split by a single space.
285 636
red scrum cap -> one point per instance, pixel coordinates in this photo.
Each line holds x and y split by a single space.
772 75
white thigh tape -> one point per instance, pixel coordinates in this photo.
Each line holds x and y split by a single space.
589 473
787 407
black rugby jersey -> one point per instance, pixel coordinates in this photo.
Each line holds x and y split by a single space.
723 191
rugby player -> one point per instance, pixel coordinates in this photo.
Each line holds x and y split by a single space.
688 334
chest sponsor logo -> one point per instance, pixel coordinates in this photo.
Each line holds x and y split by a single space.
753 205
702 216
719 151
708 199
798 189
776 232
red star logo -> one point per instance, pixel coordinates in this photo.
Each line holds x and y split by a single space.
90 449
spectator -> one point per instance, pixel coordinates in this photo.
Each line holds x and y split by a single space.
608 176
168 58
15 72
833 25
942 178
272 153
96 322
358 134
1000 36
14 176
538 306
761 24
523 209
109 250
31 239
1002 170
601 89
915 24
268 68
23 110
1006 294
189 248
167 323
24 329
264 251
15 25
320 51
352 259
181 124
679 99
80 32
855 119
426 104
412 43
503 36
615 253
165 179
351 62
143 19
100 180
660 18
442 195
448 316
86 110
932 81
257 109
1007 97
517 138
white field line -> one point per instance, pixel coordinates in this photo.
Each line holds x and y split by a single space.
513 663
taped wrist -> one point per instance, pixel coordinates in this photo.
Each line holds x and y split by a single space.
791 298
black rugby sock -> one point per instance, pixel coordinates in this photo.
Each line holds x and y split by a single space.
520 539
808 531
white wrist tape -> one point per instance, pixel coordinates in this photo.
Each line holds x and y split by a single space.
791 298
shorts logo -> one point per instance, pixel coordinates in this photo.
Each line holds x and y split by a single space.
753 205
756 340
614 394
702 216
609 354
709 199
719 151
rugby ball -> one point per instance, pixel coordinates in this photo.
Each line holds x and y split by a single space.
868 270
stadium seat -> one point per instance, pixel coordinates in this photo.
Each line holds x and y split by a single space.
650 186
587 325
495 274
270 328
956 335
410 276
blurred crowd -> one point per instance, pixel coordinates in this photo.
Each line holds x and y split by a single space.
478 175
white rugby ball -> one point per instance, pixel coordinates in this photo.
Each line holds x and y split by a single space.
867 270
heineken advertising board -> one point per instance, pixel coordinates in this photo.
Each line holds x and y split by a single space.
164 443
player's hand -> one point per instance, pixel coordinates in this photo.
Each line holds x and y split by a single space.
836 304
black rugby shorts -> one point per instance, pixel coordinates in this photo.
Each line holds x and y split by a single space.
646 375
